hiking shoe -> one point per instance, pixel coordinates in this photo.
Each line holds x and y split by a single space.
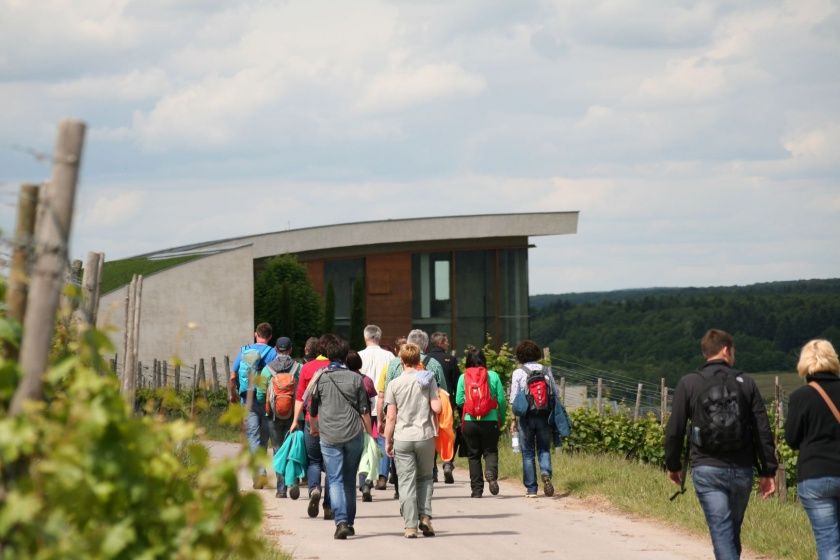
314 498
352 532
366 497
392 478
548 488
410 533
260 481
494 487
435 477
381 483
529 495
329 514
294 491
476 494
447 474
280 493
426 526
342 531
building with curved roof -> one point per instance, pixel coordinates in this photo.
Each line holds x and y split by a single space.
464 275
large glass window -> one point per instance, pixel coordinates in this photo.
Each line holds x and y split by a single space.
343 273
474 297
513 294
431 291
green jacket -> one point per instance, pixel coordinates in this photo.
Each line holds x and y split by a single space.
395 369
496 389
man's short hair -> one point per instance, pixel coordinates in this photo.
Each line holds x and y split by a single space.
714 341
818 356
420 338
527 351
310 347
264 331
333 347
374 333
437 338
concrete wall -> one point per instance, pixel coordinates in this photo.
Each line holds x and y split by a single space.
196 310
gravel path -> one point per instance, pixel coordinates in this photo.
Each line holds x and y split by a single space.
503 526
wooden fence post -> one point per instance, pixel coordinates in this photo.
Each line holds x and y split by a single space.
90 281
781 478
600 396
202 378
563 390
54 221
637 409
98 288
194 384
178 377
17 288
227 372
165 373
132 338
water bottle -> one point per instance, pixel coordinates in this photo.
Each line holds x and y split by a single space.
514 441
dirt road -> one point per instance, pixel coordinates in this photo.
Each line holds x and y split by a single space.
504 526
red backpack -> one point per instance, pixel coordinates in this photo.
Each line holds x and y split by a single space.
539 392
281 396
478 402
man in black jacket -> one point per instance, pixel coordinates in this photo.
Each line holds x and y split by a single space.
439 350
722 471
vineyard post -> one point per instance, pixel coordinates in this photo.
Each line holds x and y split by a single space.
637 409
563 390
192 400
114 364
781 478
600 396
98 287
202 378
165 373
140 378
227 372
53 224
178 377
215 370
90 280
17 288
663 400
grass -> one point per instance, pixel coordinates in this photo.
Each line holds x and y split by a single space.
214 430
118 273
773 528
790 381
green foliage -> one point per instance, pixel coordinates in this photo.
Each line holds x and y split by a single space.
329 308
82 477
656 333
500 360
119 273
284 297
357 316
640 440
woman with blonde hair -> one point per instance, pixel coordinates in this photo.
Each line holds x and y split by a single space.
813 427
413 403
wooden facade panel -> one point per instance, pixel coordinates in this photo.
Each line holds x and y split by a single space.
388 297
315 270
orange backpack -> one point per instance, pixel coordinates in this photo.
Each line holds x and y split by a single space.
281 396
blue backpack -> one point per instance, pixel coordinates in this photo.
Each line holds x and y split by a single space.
251 362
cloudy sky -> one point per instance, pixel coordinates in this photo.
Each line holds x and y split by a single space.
699 140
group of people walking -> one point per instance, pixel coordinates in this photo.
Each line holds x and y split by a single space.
343 404
401 405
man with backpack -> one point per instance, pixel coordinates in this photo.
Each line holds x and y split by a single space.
278 381
728 434
439 350
533 424
247 366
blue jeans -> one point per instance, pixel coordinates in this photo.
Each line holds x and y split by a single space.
256 430
534 439
314 463
342 463
723 493
821 499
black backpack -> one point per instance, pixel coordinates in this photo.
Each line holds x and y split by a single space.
717 425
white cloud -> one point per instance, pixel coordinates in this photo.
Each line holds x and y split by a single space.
133 85
110 211
401 89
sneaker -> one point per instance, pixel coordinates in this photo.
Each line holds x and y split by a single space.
366 497
426 526
329 514
435 477
529 495
381 483
494 487
294 491
410 533
314 498
447 474
342 531
352 531
476 494
548 488
392 478
280 493
260 481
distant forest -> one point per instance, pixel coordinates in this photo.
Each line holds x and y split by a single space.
653 333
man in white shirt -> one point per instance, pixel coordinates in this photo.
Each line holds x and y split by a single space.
374 359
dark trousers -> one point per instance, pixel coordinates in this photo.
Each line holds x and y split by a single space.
481 439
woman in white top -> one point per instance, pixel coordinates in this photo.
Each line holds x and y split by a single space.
413 403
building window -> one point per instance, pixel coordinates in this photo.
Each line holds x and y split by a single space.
431 294
343 273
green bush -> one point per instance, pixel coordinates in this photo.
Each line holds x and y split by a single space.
83 477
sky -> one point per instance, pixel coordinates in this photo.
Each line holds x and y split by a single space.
700 141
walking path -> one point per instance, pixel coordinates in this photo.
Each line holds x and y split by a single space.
503 526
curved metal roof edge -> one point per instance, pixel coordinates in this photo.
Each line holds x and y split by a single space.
214 244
